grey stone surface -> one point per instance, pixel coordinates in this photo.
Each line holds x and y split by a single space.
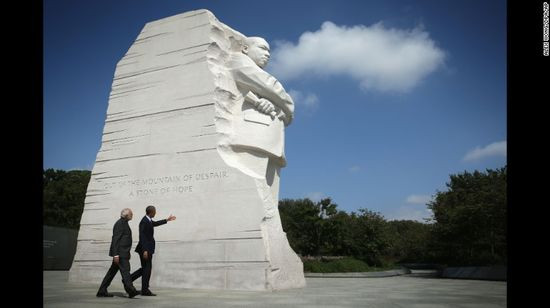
415 291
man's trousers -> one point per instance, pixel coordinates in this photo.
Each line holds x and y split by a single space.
124 267
144 272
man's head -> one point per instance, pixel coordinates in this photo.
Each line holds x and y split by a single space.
150 211
126 214
257 49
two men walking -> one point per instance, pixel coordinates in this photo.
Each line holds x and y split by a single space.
121 244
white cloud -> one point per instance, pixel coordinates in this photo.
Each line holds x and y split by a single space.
315 196
418 199
410 213
380 58
493 149
354 169
308 100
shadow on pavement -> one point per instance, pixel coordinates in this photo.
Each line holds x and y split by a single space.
119 294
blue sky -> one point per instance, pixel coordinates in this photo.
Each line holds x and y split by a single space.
417 94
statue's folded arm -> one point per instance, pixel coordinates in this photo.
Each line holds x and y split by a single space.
261 83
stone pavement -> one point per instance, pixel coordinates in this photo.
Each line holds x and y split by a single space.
417 289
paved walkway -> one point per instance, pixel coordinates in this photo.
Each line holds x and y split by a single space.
411 291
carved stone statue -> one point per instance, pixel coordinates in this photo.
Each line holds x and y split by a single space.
266 110
195 127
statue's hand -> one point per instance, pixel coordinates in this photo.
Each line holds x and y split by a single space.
283 117
265 106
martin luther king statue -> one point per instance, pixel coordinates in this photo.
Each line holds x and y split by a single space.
195 125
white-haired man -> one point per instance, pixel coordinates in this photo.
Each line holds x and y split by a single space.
120 251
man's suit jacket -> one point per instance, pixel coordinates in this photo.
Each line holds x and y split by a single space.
146 232
122 239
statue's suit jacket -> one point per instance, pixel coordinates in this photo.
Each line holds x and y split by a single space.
254 129
121 242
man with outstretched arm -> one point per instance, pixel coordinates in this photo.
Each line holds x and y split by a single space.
146 248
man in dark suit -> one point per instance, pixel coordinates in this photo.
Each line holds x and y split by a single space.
146 248
120 251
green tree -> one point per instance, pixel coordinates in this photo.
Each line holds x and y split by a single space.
470 219
299 219
409 241
324 226
63 197
338 235
369 237
320 229
308 225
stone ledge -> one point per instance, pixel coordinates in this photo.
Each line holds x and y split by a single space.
390 273
476 272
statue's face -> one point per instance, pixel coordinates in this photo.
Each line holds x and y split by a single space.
258 51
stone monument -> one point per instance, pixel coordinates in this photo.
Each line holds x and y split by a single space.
195 127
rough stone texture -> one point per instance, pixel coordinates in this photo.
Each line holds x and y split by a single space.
172 118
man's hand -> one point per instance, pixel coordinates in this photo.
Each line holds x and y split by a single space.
265 106
171 217
116 259
145 255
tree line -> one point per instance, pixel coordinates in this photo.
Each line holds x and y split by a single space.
63 197
468 226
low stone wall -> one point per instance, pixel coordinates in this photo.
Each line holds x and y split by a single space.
421 266
476 272
390 273
59 246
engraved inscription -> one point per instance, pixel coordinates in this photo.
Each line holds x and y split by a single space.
171 184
